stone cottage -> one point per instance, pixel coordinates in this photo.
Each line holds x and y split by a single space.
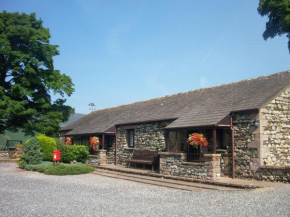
247 124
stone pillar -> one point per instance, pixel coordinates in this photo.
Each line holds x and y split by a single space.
213 162
102 155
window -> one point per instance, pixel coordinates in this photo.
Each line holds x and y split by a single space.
130 138
177 141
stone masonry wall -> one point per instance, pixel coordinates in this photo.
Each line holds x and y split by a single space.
4 154
175 164
247 140
275 123
111 152
226 155
146 137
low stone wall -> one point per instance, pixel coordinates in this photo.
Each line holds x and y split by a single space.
92 160
273 173
98 159
175 164
4 154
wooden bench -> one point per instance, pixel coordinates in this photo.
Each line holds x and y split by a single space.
144 157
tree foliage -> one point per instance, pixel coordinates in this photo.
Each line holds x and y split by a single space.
28 77
278 12
47 146
32 152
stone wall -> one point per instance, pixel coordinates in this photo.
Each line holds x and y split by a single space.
175 164
92 160
98 159
111 152
146 137
226 162
247 140
275 124
4 154
226 154
274 173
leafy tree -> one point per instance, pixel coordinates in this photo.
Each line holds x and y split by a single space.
32 152
28 77
278 12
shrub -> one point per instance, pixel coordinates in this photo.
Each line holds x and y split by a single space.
47 145
21 163
32 152
60 145
64 169
74 152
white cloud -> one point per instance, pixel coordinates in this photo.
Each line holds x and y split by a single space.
203 82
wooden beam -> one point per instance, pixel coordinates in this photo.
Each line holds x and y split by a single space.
214 140
103 141
167 140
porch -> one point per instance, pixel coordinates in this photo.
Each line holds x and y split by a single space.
224 183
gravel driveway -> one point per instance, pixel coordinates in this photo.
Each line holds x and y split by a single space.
34 194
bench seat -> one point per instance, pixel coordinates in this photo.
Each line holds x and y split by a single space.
144 157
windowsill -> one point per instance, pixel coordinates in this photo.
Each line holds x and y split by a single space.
194 163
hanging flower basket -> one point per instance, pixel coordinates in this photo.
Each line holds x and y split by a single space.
197 139
95 142
68 141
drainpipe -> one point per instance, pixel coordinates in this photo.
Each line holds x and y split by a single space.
116 147
233 149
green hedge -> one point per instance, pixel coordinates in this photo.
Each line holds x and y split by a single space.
70 153
47 145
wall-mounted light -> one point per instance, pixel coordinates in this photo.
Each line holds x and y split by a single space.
256 122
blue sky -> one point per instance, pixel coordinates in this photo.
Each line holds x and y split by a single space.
118 52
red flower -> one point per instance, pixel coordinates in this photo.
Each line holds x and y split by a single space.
197 139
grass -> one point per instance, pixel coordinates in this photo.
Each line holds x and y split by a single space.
63 169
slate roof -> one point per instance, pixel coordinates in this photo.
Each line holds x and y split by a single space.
202 107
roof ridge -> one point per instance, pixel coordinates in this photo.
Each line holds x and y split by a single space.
196 90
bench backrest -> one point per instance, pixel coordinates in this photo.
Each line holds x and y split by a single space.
144 155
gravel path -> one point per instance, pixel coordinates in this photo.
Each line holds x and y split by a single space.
34 194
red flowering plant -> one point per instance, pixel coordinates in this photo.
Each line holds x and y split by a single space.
197 139
16 155
95 142
68 141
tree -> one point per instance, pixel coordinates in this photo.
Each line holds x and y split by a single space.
278 12
31 152
28 77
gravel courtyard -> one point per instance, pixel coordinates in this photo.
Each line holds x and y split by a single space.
34 194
